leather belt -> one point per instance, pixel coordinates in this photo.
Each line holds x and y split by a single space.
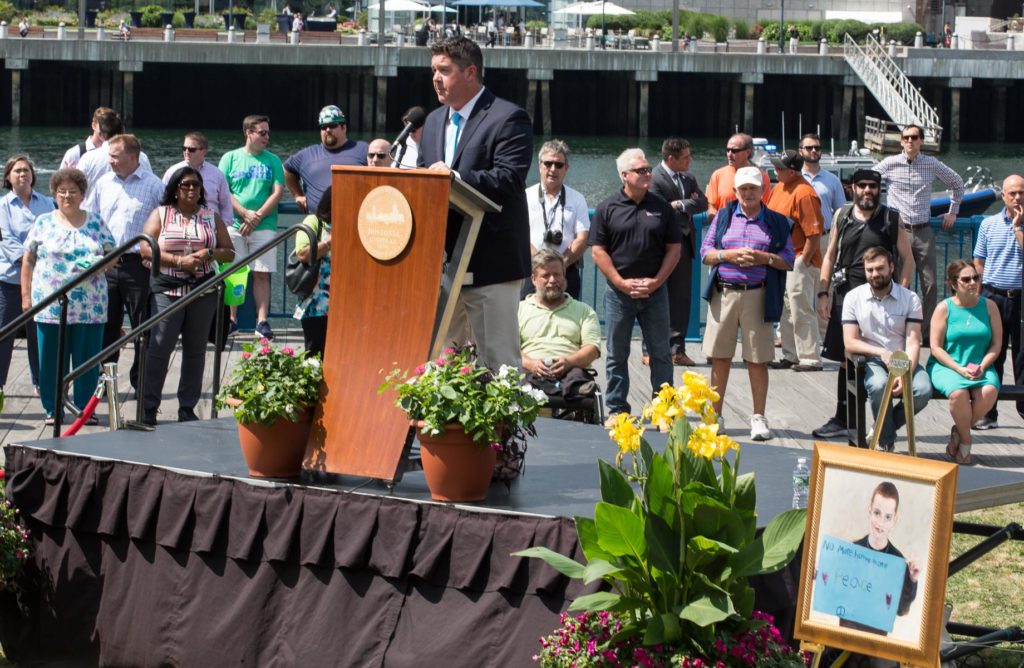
915 227
739 286
1008 294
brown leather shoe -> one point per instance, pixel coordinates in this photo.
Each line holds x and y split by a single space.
682 359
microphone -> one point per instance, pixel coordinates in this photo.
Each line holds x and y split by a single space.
414 121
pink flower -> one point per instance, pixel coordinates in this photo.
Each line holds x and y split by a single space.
418 370
495 446
441 361
264 341
265 350
288 351
466 370
246 356
2 474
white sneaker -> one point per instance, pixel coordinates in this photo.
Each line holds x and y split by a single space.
759 430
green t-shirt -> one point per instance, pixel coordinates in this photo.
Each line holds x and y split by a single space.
251 178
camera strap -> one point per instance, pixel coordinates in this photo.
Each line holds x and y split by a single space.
549 221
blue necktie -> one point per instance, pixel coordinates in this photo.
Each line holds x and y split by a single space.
450 153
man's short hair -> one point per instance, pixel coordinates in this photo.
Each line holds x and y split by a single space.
545 256
628 156
110 124
129 143
748 141
886 490
463 52
673 146
810 135
250 122
913 126
199 138
100 113
554 146
876 252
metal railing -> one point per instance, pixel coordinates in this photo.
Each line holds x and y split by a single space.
61 296
890 86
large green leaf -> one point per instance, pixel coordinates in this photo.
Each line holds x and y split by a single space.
597 569
559 562
708 609
619 531
663 545
774 548
746 492
615 488
586 530
660 489
602 600
663 629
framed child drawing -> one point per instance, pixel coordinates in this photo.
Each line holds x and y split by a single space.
876 552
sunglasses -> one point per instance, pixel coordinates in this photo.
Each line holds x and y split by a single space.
68 193
910 137
969 279
190 185
642 171
191 149
553 163
867 185
734 150
379 156
811 148
262 133
330 126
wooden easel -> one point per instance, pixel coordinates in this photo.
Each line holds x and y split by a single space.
817 649
899 367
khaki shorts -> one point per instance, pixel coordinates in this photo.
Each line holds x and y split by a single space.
267 262
730 310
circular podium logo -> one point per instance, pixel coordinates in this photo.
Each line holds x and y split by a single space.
384 223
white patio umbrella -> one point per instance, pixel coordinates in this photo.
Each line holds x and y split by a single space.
444 8
401 6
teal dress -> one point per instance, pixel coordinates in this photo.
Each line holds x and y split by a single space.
968 335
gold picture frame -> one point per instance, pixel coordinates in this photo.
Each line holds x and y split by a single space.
855 492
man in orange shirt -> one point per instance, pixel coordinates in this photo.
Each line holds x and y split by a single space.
738 151
796 199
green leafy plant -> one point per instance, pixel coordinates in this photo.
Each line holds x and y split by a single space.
15 547
456 389
151 16
677 549
271 383
7 11
741 29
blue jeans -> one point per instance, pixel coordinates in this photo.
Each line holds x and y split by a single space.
876 375
620 314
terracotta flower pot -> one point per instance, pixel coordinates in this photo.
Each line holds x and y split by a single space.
456 467
274 451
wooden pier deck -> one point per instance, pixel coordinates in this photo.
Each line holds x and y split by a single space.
797 403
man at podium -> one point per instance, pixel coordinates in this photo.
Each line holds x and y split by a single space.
488 143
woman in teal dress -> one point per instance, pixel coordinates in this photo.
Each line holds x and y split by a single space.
966 331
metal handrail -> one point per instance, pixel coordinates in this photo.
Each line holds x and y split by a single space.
216 282
60 295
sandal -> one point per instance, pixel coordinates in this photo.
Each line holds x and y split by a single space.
964 459
953 447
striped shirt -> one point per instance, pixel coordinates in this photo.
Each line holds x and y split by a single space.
910 186
744 232
124 204
998 248
183 236
882 321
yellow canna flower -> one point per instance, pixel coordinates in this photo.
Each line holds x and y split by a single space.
704 440
626 433
724 444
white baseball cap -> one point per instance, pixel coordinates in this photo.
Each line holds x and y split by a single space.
748 176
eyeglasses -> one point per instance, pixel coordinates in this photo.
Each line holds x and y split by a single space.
734 150
910 137
969 279
262 133
68 193
553 163
329 126
190 185
811 148
641 171
191 149
383 155
867 185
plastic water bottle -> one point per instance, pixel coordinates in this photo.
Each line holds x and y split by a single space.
801 478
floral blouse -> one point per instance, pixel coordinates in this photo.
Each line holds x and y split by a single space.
62 253
316 303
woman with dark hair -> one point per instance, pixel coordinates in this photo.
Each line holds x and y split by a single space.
18 211
61 245
312 311
966 337
192 239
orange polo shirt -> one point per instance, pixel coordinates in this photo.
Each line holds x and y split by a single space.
800 203
720 189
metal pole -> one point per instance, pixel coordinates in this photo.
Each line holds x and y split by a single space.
58 400
218 345
782 26
675 26
142 349
109 378
81 20
604 33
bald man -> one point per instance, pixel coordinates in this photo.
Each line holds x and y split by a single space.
997 258
379 153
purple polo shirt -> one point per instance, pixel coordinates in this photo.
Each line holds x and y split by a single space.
744 232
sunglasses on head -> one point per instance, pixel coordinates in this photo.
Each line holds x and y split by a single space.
553 163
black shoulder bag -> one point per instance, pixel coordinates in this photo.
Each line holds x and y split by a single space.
301 278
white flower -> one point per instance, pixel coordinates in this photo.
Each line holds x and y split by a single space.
311 361
537 395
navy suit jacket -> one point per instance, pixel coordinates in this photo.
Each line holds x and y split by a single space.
494 155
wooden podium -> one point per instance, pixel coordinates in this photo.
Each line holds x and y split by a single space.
392 299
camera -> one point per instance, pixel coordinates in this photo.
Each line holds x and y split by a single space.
838 278
553 237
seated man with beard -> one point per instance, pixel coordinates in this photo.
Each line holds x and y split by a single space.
559 336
